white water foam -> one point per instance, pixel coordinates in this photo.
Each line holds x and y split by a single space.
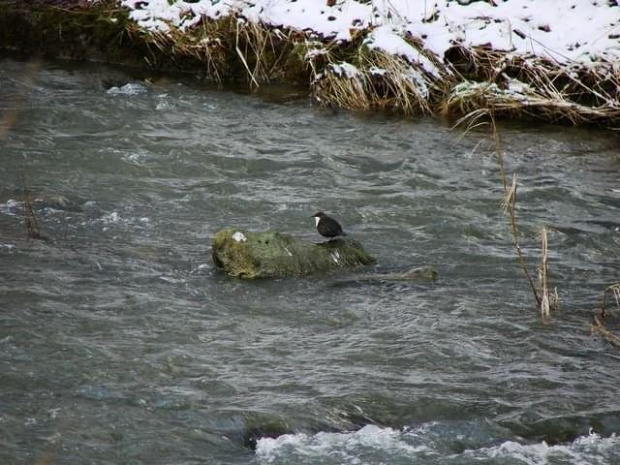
11 207
127 89
585 450
376 445
113 217
369 443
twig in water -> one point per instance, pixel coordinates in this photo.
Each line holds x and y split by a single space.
30 217
614 289
599 327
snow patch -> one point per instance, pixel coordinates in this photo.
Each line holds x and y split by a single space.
239 237
345 70
585 31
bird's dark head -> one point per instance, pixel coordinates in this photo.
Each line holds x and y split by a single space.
319 215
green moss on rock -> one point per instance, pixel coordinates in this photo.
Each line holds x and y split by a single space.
269 254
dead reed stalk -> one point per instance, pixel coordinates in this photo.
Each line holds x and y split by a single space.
598 324
614 290
545 302
30 217
261 50
548 301
540 290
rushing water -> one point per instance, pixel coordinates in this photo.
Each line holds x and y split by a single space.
121 343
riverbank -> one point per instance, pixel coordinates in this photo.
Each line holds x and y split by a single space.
555 61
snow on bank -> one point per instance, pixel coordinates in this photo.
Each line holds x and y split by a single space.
552 51
582 31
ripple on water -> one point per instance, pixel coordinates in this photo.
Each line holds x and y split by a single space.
123 343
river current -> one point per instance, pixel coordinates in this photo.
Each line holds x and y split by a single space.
120 342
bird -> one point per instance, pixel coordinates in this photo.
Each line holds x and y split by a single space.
327 226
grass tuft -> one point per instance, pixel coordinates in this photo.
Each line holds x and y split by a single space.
374 80
517 86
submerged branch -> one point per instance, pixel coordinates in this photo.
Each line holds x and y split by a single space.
599 327
30 217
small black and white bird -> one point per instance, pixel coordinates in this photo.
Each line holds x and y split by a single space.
327 226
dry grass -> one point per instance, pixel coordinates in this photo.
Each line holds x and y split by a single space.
614 291
533 87
232 49
465 80
31 220
374 80
262 50
598 324
207 44
545 301
462 81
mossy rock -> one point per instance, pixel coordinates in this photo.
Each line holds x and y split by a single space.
269 254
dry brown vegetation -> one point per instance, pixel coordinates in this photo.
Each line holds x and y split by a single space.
605 315
547 299
31 220
232 48
463 82
518 86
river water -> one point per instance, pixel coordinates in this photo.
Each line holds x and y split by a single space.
120 342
